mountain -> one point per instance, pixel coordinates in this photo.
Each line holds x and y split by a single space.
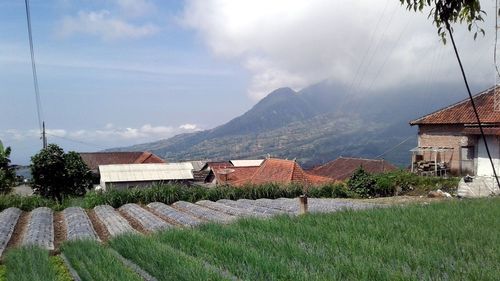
314 125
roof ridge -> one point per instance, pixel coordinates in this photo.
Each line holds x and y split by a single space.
360 158
484 92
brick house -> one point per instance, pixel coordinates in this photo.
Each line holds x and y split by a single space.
449 138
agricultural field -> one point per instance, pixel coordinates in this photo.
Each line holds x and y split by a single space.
266 240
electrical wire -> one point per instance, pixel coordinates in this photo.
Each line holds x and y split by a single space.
78 141
394 147
473 103
33 68
496 38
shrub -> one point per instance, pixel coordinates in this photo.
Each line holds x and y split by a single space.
362 183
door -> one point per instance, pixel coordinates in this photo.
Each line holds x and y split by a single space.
467 160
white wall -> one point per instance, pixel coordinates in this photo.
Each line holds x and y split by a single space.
483 162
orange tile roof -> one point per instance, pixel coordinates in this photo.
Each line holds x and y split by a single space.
462 112
279 171
94 159
238 174
343 167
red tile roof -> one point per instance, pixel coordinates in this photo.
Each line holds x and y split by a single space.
343 167
462 112
94 159
234 174
279 171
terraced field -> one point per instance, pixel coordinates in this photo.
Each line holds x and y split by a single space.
46 229
451 240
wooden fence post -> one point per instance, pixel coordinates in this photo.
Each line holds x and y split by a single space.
303 204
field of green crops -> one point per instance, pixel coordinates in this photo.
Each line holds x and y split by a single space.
453 240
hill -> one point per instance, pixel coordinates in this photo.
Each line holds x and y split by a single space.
314 125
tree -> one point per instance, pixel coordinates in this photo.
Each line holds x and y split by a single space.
57 174
446 12
7 173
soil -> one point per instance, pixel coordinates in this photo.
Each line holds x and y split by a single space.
133 222
99 227
17 236
165 218
60 231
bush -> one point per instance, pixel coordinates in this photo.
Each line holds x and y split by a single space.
362 183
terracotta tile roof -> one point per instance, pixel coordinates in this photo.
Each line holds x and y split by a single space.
94 159
462 112
343 167
282 172
238 174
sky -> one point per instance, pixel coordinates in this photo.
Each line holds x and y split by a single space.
121 72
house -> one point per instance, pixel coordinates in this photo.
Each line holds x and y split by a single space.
271 170
343 167
94 159
121 176
449 140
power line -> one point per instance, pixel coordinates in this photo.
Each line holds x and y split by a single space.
389 55
394 147
77 141
473 103
372 36
41 124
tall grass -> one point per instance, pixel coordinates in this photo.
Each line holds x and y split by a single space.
28 264
163 261
93 262
401 181
451 241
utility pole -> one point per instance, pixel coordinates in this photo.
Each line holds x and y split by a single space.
44 136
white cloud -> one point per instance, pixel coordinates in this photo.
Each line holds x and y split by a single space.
107 134
104 25
189 126
297 43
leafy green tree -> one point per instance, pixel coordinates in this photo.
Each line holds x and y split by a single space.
7 173
57 174
362 183
446 12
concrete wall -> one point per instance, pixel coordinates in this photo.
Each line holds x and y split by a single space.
445 136
483 162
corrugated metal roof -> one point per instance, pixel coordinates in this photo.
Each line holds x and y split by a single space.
247 163
146 172
198 165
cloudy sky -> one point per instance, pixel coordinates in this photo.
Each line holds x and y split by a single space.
121 72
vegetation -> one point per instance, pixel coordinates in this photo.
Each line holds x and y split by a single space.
61 270
452 240
397 182
3 276
161 260
93 262
7 173
30 263
446 12
386 184
57 174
